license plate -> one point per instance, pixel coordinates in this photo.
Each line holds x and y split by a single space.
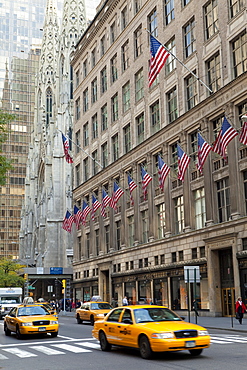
42 329
190 344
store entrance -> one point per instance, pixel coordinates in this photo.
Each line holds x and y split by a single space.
227 282
228 301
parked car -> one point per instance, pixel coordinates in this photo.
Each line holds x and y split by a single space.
92 311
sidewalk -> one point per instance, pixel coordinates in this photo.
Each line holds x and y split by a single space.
220 323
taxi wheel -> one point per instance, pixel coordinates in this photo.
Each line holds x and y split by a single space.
144 346
79 320
195 352
6 330
18 334
92 320
53 335
105 346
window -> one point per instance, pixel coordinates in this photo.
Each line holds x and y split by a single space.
93 57
191 91
104 118
124 17
155 117
115 148
114 74
213 72
137 6
118 235
244 244
104 151
94 163
107 238
77 109
168 11
48 105
202 252
127 138
85 100
223 199
94 126
146 262
174 257
114 106
211 18
94 90
125 55
161 220
194 253
179 214
138 42
139 90
86 273
85 135
140 263
86 169
78 141
85 68
113 32
126 97
217 123
172 105
78 175
242 109
103 80
131 265
153 23
140 128
126 266
162 259
77 78
185 2
200 208
245 191
235 6
156 260
170 64
131 231
193 146
189 40
102 45
239 46
145 226
181 255
97 241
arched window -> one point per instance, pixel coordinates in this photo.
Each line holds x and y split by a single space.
48 105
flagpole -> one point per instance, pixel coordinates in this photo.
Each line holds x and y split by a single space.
78 146
174 56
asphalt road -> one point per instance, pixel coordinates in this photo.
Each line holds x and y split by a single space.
75 349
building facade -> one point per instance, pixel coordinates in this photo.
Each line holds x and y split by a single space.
141 248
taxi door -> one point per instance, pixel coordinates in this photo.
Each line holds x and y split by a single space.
11 319
85 312
125 329
111 326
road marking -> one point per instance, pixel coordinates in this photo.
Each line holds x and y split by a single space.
71 348
89 345
19 352
47 350
228 339
2 357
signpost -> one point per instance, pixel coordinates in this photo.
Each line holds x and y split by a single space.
191 275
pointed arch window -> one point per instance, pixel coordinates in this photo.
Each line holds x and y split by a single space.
48 105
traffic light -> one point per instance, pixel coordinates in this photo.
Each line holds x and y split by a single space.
64 283
26 276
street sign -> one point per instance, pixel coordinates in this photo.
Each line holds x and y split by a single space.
30 287
56 270
192 273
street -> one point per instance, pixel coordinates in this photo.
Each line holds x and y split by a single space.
75 348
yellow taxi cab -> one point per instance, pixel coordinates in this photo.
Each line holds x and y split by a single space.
41 302
92 311
30 319
151 329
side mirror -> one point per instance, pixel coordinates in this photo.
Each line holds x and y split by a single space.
182 317
127 321
52 312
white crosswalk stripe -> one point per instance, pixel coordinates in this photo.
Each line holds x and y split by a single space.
47 350
69 347
89 345
228 339
2 357
19 352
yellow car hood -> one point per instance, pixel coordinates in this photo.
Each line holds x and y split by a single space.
170 326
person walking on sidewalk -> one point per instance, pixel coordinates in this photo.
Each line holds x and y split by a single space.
240 309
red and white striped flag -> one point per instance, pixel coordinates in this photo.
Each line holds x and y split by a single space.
66 149
132 186
116 194
203 151
68 222
105 202
183 162
146 178
158 58
226 134
243 134
163 171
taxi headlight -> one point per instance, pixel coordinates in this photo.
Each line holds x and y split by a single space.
54 322
202 333
166 335
2 309
99 315
26 324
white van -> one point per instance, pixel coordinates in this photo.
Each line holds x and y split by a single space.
9 298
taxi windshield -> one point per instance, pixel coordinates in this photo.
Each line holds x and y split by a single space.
101 306
32 311
155 315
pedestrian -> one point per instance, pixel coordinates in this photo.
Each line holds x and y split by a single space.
125 301
240 309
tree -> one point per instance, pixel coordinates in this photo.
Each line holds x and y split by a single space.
10 273
5 163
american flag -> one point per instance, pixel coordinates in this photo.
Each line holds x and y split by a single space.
116 195
158 58
146 178
95 205
132 186
183 162
203 151
163 171
85 211
66 149
104 203
77 216
68 222
243 134
226 134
